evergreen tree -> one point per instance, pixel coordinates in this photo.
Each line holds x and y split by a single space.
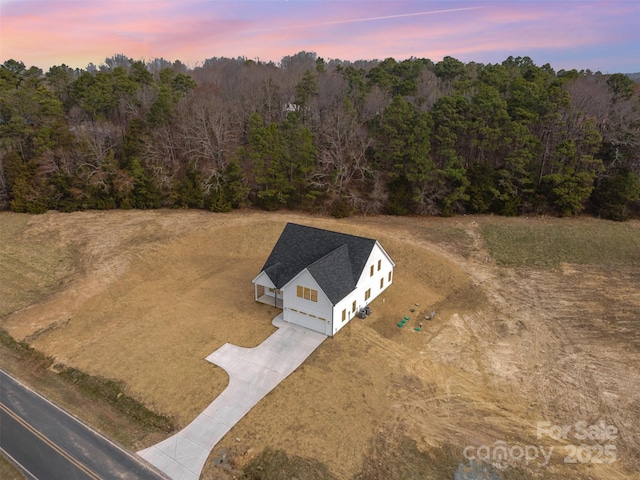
403 152
614 194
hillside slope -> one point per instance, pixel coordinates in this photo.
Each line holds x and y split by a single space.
525 331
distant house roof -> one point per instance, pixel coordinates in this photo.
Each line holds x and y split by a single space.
335 260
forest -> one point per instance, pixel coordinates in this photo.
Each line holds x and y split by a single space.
330 136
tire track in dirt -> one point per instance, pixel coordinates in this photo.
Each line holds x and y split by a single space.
547 339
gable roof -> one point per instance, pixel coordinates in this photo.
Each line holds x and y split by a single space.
334 275
335 260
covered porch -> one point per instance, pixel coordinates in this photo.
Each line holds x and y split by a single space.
268 295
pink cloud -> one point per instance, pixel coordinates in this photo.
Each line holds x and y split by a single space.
48 32
511 29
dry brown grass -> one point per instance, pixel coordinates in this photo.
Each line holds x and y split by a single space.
8 471
147 295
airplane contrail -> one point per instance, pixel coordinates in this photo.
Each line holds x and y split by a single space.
368 19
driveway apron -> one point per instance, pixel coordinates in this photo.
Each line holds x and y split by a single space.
253 372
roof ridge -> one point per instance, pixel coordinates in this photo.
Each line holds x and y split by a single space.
330 231
344 245
302 246
334 273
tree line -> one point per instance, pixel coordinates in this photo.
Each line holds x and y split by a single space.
395 137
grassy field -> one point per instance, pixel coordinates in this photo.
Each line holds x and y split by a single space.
32 268
524 307
548 242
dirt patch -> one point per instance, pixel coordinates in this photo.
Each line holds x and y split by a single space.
143 297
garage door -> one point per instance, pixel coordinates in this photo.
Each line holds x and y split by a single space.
309 321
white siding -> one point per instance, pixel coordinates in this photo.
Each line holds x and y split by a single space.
264 280
310 314
365 282
346 304
368 281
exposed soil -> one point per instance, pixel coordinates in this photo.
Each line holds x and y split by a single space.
143 297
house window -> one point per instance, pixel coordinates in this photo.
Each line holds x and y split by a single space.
271 290
307 293
379 264
382 282
371 271
389 277
344 314
353 306
367 295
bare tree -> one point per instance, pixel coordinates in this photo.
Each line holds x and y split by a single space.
343 165
428 89
208 132
162 155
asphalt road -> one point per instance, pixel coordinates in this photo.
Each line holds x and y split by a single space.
49 444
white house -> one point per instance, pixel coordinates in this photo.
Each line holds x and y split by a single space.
322 279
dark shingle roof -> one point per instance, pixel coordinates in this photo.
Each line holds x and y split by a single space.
335 260
334 275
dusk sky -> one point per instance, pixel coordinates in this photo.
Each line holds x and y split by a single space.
597 35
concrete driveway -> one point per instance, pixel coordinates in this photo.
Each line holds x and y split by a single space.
253 372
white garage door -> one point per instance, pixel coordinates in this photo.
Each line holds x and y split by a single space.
308 321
